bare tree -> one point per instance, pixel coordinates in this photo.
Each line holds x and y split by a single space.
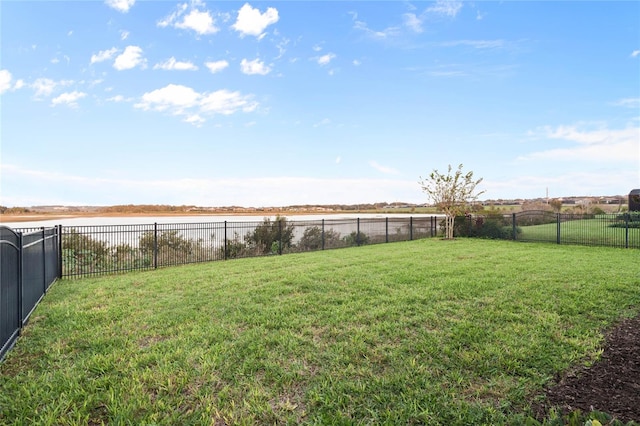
556 205
453 194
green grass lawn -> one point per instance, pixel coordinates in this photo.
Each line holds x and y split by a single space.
423 332
586 231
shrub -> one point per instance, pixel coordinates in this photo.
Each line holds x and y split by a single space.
630 220
83 254
234 248
356 239
312 239
263 237
494 226
172 248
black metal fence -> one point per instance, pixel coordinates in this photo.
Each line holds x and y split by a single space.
32 258
94 250
612 230
106 249
29 265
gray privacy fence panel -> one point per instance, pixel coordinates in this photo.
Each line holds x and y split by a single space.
33 275
52 256
29 264
10 317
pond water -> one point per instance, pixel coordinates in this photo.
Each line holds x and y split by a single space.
149 220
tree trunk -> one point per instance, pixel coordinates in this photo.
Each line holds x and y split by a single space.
448 228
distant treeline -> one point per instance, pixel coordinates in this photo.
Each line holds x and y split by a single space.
14 210
147 208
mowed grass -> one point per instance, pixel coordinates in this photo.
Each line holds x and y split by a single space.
423 332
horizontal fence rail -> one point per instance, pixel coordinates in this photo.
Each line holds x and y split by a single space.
29 265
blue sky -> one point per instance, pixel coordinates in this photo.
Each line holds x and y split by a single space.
286 102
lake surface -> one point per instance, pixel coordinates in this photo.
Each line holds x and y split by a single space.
149 220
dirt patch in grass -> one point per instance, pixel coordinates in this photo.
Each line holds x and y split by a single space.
611 385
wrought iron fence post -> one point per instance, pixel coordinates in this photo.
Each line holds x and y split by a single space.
155 245
410 228
627 216
280 236
358 232
386 229
558 228
59 231
20 282
225 241
322 234
514 230
44 262
433 223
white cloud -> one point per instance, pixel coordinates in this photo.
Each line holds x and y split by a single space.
383 169
171 19
226 102
45 86
70 99
173 97
251 22
635 53
124 35
325 59
600 145
5 81
338 159
628 103
172 64
446 7
387 33
104 55
412 22
217 66
195 119
196 20
323 122
200 22
476 44
120 5
118 98
254 67
184 101
130 58
356 63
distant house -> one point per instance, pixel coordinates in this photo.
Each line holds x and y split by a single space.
634 200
